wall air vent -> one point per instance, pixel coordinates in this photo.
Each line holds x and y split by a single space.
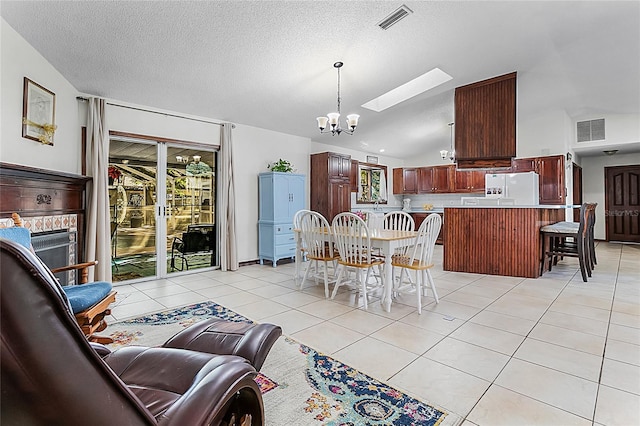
400 13
591 130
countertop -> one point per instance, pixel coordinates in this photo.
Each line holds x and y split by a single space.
435 210
536 206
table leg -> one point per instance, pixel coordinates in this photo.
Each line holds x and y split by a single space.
298 257
388 282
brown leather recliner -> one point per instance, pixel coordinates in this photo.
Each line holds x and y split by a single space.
51 374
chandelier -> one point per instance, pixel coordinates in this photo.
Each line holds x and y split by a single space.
333 118
449 154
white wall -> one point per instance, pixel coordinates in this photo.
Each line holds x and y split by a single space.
20 60
253 149
165 125
593 183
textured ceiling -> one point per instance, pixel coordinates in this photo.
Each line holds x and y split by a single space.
270 63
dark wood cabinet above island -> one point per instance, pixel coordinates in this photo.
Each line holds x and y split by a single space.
485 123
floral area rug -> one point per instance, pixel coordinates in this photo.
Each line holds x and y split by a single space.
300 386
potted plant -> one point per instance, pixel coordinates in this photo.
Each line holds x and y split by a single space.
280 166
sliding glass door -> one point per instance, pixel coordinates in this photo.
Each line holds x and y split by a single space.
190 208
162 201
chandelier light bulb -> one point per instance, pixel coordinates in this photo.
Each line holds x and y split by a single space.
322 122
334 118
352 121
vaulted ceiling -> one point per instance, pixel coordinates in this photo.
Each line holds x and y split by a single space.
270 63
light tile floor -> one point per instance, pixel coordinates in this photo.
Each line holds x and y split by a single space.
494 351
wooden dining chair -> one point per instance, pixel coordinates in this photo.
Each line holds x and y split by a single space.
567 239
303 251
399 220
318 242
419 258
353 241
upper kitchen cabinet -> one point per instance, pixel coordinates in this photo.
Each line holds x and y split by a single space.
552 185
405 181
443 178
523 165
436 179
425 180
485 123
550 170
469 181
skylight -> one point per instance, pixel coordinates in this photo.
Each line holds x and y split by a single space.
418 85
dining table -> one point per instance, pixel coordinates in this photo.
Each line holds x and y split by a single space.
387 241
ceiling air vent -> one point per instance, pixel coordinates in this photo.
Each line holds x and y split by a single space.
592 130
400 13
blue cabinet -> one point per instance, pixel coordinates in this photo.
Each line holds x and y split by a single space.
281 195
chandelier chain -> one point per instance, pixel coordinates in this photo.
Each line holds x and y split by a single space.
338 90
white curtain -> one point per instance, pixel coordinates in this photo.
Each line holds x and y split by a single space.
383 186
227 240
98 237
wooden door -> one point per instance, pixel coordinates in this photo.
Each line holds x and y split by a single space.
577 190
425 180
622 203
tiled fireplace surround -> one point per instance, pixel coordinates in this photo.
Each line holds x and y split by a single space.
51 224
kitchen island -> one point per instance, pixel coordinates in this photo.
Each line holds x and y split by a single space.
497 240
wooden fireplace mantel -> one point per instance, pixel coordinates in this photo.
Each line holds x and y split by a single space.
33 192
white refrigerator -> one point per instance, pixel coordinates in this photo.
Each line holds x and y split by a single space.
522 188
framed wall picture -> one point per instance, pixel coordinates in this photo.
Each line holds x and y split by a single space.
372 159
38 113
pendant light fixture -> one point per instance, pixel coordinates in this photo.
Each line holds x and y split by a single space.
333 118
451 154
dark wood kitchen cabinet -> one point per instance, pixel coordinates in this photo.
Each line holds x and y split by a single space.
405 181
339 165
330 184
436 179
485 122
443 178
469 181
425 180
550 170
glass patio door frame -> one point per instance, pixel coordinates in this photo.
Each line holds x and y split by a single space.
162 211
